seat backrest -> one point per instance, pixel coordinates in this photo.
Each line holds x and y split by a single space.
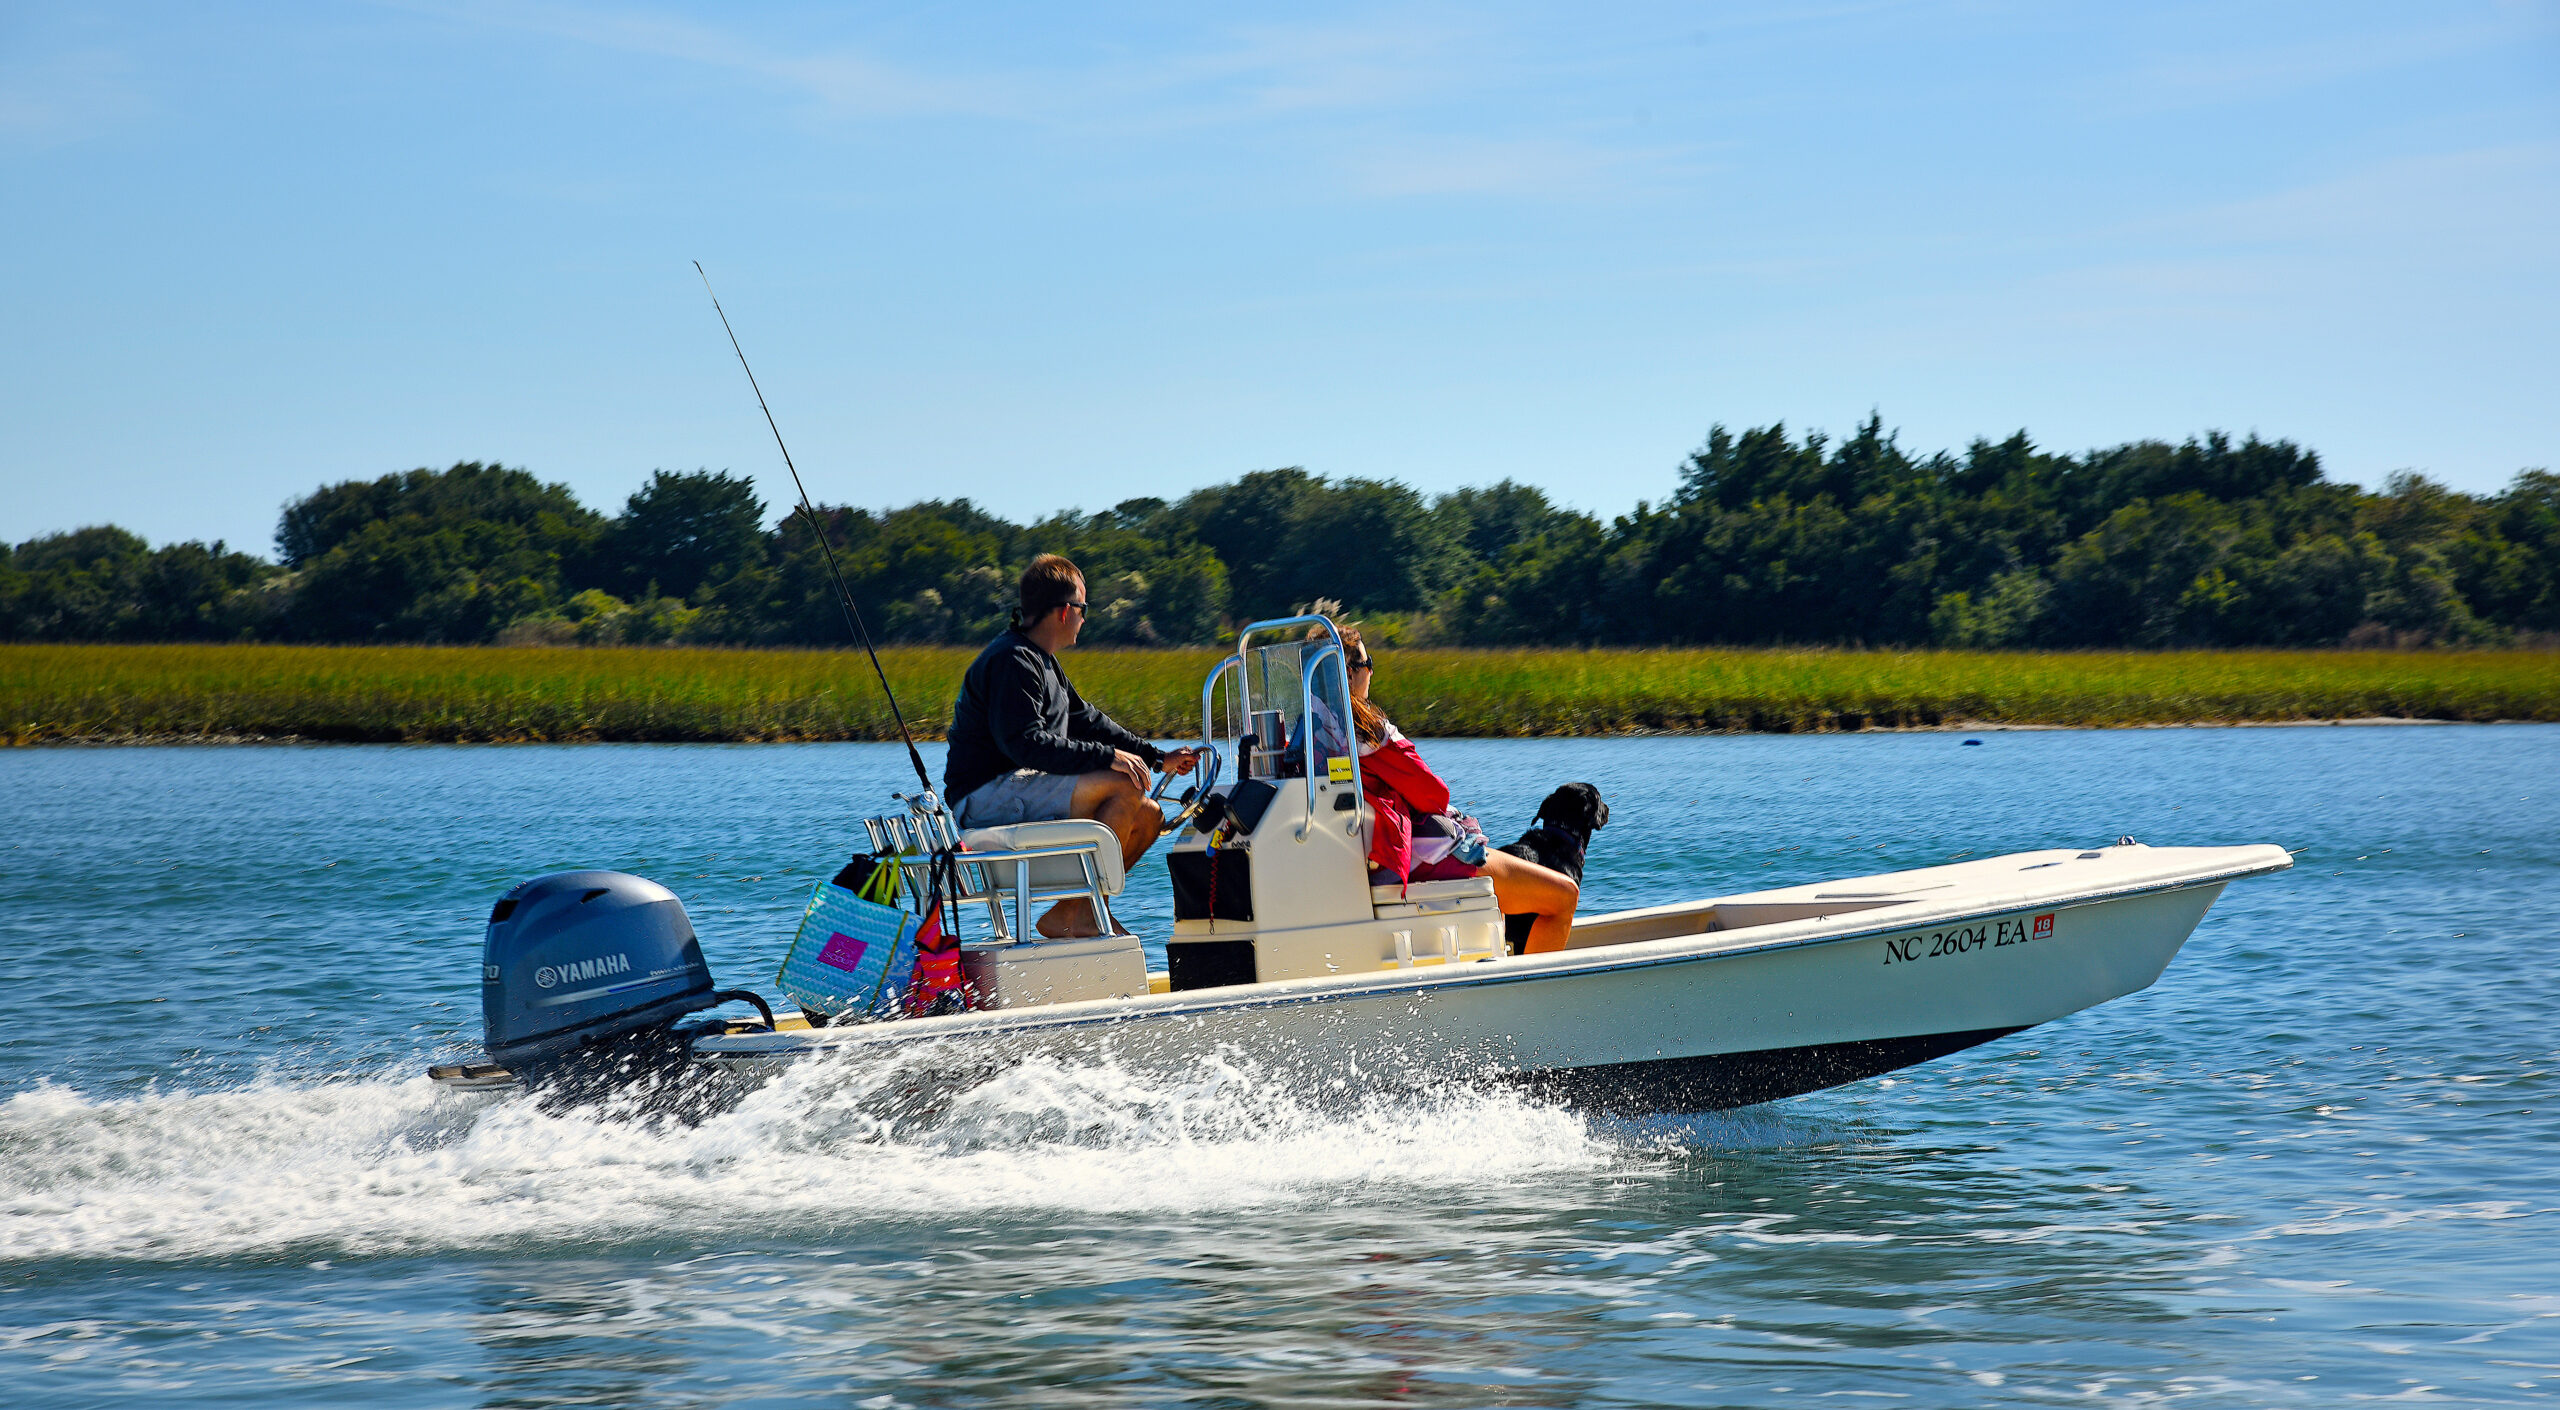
1049 872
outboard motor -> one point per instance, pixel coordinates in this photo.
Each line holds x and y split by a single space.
592 965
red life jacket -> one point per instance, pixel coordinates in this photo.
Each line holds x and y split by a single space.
937 984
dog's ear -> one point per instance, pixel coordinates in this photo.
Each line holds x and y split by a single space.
1553 809
1593 807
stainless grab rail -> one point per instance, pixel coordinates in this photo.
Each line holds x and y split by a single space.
978 875
1331 650
1209 699
1307 715
981 867
1244 643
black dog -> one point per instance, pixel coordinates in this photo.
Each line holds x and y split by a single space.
1558 840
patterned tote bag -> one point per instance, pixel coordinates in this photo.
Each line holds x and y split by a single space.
854 951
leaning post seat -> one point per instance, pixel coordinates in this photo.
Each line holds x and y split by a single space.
1035 862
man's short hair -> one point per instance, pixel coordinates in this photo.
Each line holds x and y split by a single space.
1051 582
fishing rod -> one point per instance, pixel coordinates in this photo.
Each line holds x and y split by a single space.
844 595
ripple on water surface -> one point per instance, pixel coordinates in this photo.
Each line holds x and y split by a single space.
2310 1167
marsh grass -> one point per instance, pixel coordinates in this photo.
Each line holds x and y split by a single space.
442 694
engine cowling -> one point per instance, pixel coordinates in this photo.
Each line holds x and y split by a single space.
577 959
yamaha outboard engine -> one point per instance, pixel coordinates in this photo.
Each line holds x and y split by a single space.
590 970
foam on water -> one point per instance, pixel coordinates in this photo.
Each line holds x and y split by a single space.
395 1165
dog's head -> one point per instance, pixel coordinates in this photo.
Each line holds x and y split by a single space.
1577 808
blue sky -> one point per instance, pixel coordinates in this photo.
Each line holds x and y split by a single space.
1045 257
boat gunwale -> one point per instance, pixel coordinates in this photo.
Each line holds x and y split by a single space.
756 1048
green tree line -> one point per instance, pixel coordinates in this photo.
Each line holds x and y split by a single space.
1768 537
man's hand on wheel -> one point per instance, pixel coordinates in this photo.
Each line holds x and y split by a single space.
1181 761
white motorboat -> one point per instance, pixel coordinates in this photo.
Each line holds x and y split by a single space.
1281 949
1694 1006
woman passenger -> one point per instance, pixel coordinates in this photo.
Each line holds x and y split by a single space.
1398 786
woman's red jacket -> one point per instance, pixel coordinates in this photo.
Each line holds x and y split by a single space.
1397 784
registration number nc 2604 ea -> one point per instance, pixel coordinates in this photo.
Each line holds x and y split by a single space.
1965 939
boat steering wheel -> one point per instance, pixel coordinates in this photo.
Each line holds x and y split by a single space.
1193 796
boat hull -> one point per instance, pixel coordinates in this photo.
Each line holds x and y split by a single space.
1720 1081
1686 1023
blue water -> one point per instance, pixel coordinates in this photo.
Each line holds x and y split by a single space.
2316 1164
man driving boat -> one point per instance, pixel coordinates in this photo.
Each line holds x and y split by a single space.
1025 747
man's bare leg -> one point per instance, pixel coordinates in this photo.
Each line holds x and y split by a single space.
1109 798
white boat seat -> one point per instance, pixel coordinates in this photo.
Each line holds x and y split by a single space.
1426 897
1063 870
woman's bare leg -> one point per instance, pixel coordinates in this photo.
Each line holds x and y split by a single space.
1528 887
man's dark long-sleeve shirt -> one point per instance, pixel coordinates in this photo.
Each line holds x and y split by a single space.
1016 711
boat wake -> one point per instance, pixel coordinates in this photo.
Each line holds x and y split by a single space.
286 1170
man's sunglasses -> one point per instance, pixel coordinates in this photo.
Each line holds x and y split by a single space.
1078 604
1356 663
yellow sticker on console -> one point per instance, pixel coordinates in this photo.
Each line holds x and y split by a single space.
1338 770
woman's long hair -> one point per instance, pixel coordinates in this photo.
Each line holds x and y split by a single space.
1367 720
